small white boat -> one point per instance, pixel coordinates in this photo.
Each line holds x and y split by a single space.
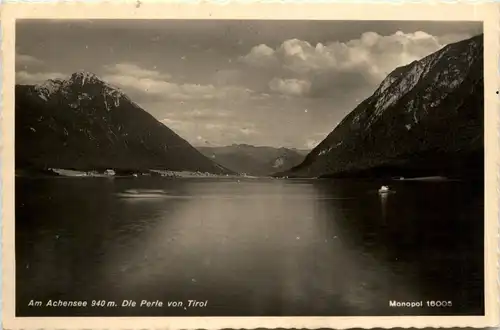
384 190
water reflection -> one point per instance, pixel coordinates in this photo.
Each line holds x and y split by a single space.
383 205
257 247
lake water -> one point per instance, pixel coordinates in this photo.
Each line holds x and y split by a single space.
254 247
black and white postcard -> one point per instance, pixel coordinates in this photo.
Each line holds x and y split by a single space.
253 165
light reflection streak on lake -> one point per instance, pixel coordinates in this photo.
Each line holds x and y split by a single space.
224 238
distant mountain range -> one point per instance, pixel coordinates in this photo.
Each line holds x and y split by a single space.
254 160
425 118
83 123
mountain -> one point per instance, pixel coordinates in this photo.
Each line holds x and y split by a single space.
302 152
425 118
83 123
252 160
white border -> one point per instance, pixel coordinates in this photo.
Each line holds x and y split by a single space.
486 12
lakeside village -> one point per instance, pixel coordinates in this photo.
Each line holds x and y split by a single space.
110 173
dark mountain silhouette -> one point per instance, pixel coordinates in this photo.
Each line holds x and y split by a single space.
254 160
83 123
426 118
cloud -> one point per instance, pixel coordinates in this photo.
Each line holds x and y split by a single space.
26 60
248 131
227 77
294 87
26 64
260 56
129 69
366 60
453 37
215 126
200 114
314 139
25 77
154 83
311 143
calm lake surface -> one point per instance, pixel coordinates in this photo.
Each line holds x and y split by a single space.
257 247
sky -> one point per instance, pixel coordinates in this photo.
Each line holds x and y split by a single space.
220 82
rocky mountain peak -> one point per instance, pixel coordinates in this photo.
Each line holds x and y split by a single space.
84 77
46 89
81 85
429 107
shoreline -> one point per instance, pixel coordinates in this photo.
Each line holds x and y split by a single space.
110 174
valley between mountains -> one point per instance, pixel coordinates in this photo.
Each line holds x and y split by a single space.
425 119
